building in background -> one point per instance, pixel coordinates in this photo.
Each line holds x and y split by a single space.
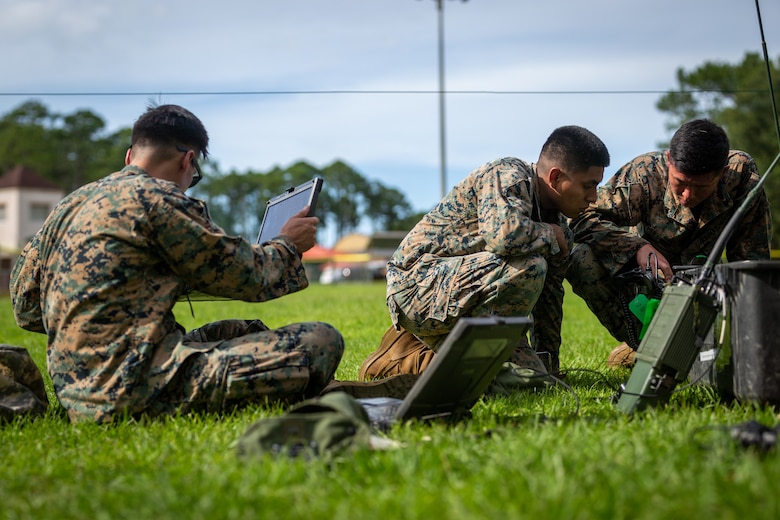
359 258
26 199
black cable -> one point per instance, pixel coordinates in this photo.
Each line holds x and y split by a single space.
601 375
547 377
633 337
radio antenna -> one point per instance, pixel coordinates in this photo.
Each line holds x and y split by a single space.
720 244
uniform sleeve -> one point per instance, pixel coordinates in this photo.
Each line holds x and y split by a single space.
607 225
506 197
26 289
219 264
751 237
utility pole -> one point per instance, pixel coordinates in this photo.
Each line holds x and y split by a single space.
442 125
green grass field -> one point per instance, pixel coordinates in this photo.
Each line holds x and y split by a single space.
535 454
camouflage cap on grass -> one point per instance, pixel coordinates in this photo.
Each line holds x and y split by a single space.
325 426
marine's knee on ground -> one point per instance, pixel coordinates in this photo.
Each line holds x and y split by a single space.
326 348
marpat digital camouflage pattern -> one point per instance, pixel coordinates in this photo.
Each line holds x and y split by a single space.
635 207
483 250
101 279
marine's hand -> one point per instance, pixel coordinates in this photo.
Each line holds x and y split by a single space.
302 230
645 259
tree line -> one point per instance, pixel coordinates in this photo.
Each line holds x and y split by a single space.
72 149
736 97
348 200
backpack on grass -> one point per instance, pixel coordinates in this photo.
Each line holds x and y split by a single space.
21 384
327 426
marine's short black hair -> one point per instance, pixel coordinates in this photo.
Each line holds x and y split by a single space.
170 125
575 148
698 147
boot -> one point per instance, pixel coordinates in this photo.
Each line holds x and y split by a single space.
399 352
621 357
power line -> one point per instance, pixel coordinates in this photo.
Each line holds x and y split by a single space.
370 92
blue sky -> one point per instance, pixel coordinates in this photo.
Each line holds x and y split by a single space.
514 70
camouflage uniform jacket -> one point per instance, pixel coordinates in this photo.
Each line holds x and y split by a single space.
635 207
494 209
103 274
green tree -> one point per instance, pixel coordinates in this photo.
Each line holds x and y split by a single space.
69 150
235 199
73 149
344 198
737 98
26 139
385 207
86 151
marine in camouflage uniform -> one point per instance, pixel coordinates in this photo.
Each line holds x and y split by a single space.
637 207
491 248
102 276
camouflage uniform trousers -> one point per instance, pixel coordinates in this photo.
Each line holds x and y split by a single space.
484 285
243 361
22 391
604 296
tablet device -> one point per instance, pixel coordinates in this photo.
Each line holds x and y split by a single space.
279 209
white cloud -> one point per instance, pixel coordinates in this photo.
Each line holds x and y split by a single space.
162 48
